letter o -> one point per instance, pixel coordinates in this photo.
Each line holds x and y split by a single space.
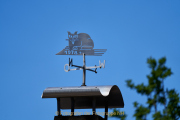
65 68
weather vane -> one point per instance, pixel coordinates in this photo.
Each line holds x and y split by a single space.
83 97
81 44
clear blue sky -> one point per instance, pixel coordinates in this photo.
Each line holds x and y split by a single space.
32 32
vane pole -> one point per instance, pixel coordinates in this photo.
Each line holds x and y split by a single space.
84 70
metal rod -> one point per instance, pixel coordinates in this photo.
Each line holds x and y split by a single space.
106 108
72 106
84 70
94 105
58 106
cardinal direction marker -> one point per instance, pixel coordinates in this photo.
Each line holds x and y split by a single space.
84 68
70 61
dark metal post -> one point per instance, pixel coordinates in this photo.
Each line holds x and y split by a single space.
72 106
106 108
58 106
84 70
94 105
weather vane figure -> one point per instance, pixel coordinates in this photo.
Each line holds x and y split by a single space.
79 44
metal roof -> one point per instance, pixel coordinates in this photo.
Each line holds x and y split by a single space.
84 95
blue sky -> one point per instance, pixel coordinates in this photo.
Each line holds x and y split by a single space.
32 32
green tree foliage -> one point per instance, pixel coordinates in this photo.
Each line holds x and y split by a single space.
156 94
116 114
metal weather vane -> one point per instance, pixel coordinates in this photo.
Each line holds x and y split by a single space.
81 44
83 97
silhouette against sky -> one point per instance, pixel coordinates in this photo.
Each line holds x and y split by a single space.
32 32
